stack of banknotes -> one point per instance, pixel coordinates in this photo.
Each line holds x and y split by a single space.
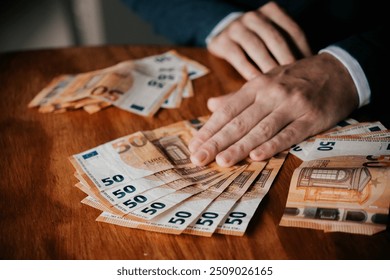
343 183
146 181
139 86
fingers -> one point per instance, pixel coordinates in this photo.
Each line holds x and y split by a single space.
224 47
268 37
264 130
231 139
238 129
274 111
274 133
283 20
250 124
216 122
272 38
293 133
243 34
253 36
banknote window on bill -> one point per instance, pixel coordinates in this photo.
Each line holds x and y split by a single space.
348 178
176 154
327 174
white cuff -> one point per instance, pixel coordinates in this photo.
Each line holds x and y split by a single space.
222 25
355 70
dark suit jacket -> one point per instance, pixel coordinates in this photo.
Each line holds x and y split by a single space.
355 25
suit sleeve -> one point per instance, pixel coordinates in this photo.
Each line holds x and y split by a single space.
371 50
185 22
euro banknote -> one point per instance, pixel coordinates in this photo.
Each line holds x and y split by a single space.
140 86
343 184
146 181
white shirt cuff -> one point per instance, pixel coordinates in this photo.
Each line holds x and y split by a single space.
355 70
222 25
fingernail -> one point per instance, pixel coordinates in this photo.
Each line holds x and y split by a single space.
199 157
256 155
194 145
223 160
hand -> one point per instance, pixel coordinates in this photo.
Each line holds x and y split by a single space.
268 36
273 111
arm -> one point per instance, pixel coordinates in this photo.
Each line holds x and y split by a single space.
371 50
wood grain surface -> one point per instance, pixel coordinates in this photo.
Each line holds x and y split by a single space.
41 216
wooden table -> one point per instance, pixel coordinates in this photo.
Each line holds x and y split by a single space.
41 213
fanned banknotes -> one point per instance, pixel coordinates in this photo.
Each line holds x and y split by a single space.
343 183
146 181
140 86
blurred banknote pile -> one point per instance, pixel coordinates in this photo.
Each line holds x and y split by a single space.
140 86
343 183
146 181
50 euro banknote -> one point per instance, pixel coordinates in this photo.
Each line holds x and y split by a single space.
344 193
145 180
343 183
315 146
140 86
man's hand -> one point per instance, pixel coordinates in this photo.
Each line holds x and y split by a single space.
275 110
265 36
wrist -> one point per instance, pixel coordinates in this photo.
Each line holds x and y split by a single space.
340 79
355 70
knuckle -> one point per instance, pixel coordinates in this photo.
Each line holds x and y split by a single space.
249 17
205 133
227 112
220 45
272 5
300 96
212 146
234 29
271 147
266 131
239 149
278 90
238 124
289 133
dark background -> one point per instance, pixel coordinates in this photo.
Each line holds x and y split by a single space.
60 23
